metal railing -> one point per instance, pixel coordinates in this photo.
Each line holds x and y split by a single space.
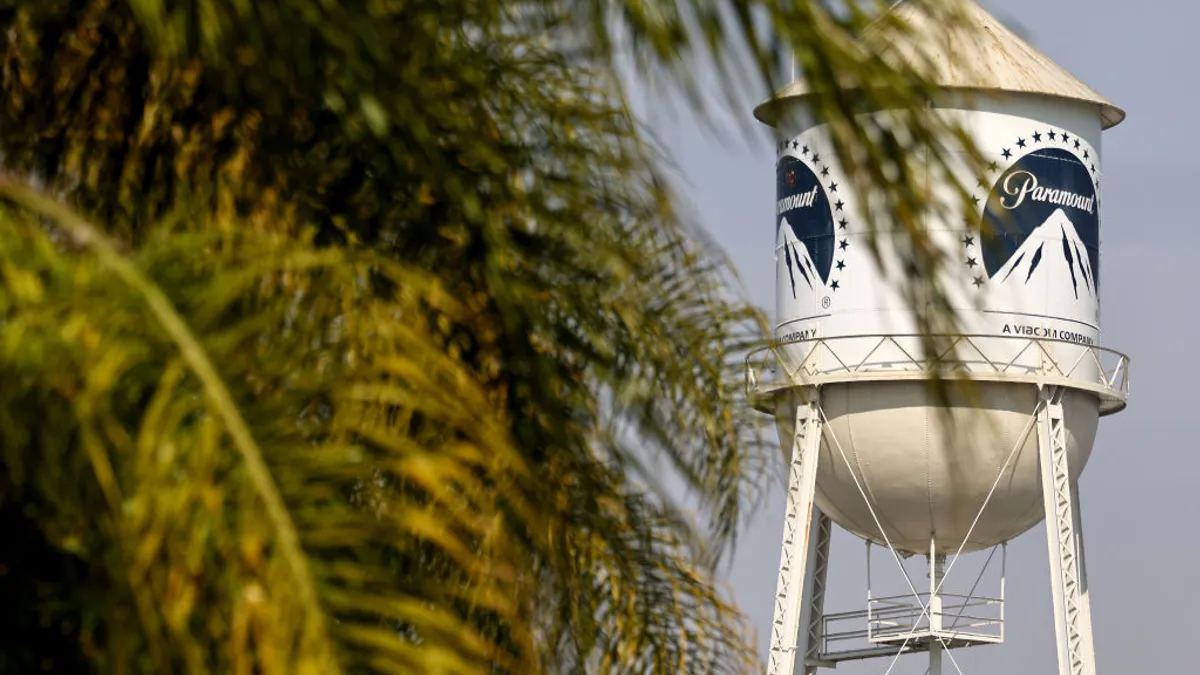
891 621
894 618
845 358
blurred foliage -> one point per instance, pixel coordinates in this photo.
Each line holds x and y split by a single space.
382 347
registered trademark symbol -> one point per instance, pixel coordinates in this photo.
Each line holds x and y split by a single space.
825 302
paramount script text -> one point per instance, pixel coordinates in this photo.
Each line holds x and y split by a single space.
1022 184
802 200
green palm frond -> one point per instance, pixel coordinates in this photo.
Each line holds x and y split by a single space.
385 349
340 423
415 516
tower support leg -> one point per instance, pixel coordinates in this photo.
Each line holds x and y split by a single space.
1072 611
812 614
800 590
937 572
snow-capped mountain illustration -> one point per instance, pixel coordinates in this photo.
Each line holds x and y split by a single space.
802 272
1052 257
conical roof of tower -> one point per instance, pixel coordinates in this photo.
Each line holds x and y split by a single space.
977 53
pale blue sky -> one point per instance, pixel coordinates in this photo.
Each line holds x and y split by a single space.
1141 505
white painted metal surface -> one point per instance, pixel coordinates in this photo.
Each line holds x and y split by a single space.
924 478
1026 270
880 455
1026 263
1037 284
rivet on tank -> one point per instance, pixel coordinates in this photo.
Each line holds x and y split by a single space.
871 449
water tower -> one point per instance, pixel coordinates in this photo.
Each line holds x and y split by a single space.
870 447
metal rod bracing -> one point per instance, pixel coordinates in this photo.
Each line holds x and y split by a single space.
883 533
871 509
797 634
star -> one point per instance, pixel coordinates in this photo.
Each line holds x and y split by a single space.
1052 135
968 240
1037 138
795 144
1020 142
844 245
805 150
1076 143
975 199
816 158
1085 154
971 262
1065 137
1007 153
1093 168
978 282
841 265
993 166
843 223
982 182
839 204
833 187
824 171
834 285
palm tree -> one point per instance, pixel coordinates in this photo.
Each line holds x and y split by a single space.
380 332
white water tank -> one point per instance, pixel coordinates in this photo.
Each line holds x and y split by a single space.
1028 296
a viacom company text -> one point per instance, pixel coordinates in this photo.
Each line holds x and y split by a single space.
1046 333
798 336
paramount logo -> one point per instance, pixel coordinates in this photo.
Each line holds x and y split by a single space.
802 200
1022 184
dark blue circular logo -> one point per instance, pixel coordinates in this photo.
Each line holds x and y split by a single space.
1042 208
804 208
